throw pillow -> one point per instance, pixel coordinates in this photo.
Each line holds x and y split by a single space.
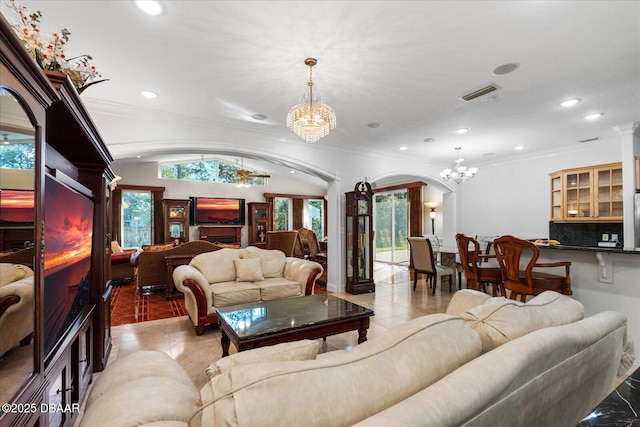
153 248
248 270
273 260
116 248
285 352
500 320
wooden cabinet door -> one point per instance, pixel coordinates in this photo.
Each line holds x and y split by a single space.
608 193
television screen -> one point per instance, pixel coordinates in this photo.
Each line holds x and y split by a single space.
211 210
68 230
16 206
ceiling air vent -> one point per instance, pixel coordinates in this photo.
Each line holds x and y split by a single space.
478 93
582 141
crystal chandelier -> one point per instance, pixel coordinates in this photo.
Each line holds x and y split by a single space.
311 119
459 173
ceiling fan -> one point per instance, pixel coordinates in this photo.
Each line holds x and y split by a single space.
245 175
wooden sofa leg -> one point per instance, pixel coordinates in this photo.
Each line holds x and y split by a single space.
200 330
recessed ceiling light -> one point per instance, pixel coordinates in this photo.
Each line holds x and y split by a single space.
292 171
462 130
403 148
258 117
429 140
592 116
150 7
519 147
374 125
505 69
149 94
569 102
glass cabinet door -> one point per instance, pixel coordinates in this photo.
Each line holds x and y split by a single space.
578 195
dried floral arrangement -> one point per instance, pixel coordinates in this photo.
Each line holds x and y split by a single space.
49 49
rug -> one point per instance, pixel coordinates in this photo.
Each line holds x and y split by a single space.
127 306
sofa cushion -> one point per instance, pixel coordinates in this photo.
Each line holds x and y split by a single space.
272 260
276 288
284 352
10 273
499 320
414 355
231 293
217 266
248 270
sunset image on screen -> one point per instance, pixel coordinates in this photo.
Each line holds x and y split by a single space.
68 227
16 206
218 210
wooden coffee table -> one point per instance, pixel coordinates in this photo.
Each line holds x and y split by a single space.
272 322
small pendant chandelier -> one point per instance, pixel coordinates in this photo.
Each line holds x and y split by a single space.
459 173
311 119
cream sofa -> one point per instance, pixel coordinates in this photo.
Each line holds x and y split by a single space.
16 306
236 276
500 363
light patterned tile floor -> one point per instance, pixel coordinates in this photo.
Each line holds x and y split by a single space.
393 303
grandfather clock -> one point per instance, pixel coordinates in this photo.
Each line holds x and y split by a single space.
360 239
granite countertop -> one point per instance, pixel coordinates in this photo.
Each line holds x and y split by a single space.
592 249
620 408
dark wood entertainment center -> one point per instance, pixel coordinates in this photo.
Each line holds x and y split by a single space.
67 147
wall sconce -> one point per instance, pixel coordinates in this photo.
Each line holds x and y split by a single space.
432 215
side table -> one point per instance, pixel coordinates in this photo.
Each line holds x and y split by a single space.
172 261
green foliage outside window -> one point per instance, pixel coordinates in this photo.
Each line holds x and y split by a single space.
281 213
137 214
205 171
17 156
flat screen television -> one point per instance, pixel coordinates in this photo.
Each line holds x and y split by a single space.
16 207
68 230
217 211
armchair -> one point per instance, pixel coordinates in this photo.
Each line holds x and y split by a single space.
16 306
311 247
509 251
122 272
286 241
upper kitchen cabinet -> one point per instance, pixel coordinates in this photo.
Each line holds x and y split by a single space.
588 194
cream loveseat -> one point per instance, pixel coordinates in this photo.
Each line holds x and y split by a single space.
228 276
16 306
499 363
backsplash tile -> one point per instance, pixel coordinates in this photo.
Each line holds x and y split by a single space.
584 234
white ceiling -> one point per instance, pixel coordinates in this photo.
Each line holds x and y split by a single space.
400 63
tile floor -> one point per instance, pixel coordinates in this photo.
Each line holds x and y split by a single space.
393 303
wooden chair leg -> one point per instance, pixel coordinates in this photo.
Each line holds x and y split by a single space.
434 282
451 277
415 281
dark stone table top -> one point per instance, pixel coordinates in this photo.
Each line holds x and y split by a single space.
634 251
620 408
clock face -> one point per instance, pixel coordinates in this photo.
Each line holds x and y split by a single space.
363 207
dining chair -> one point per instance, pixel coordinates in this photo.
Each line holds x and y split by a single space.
509 251
422 260
477 266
